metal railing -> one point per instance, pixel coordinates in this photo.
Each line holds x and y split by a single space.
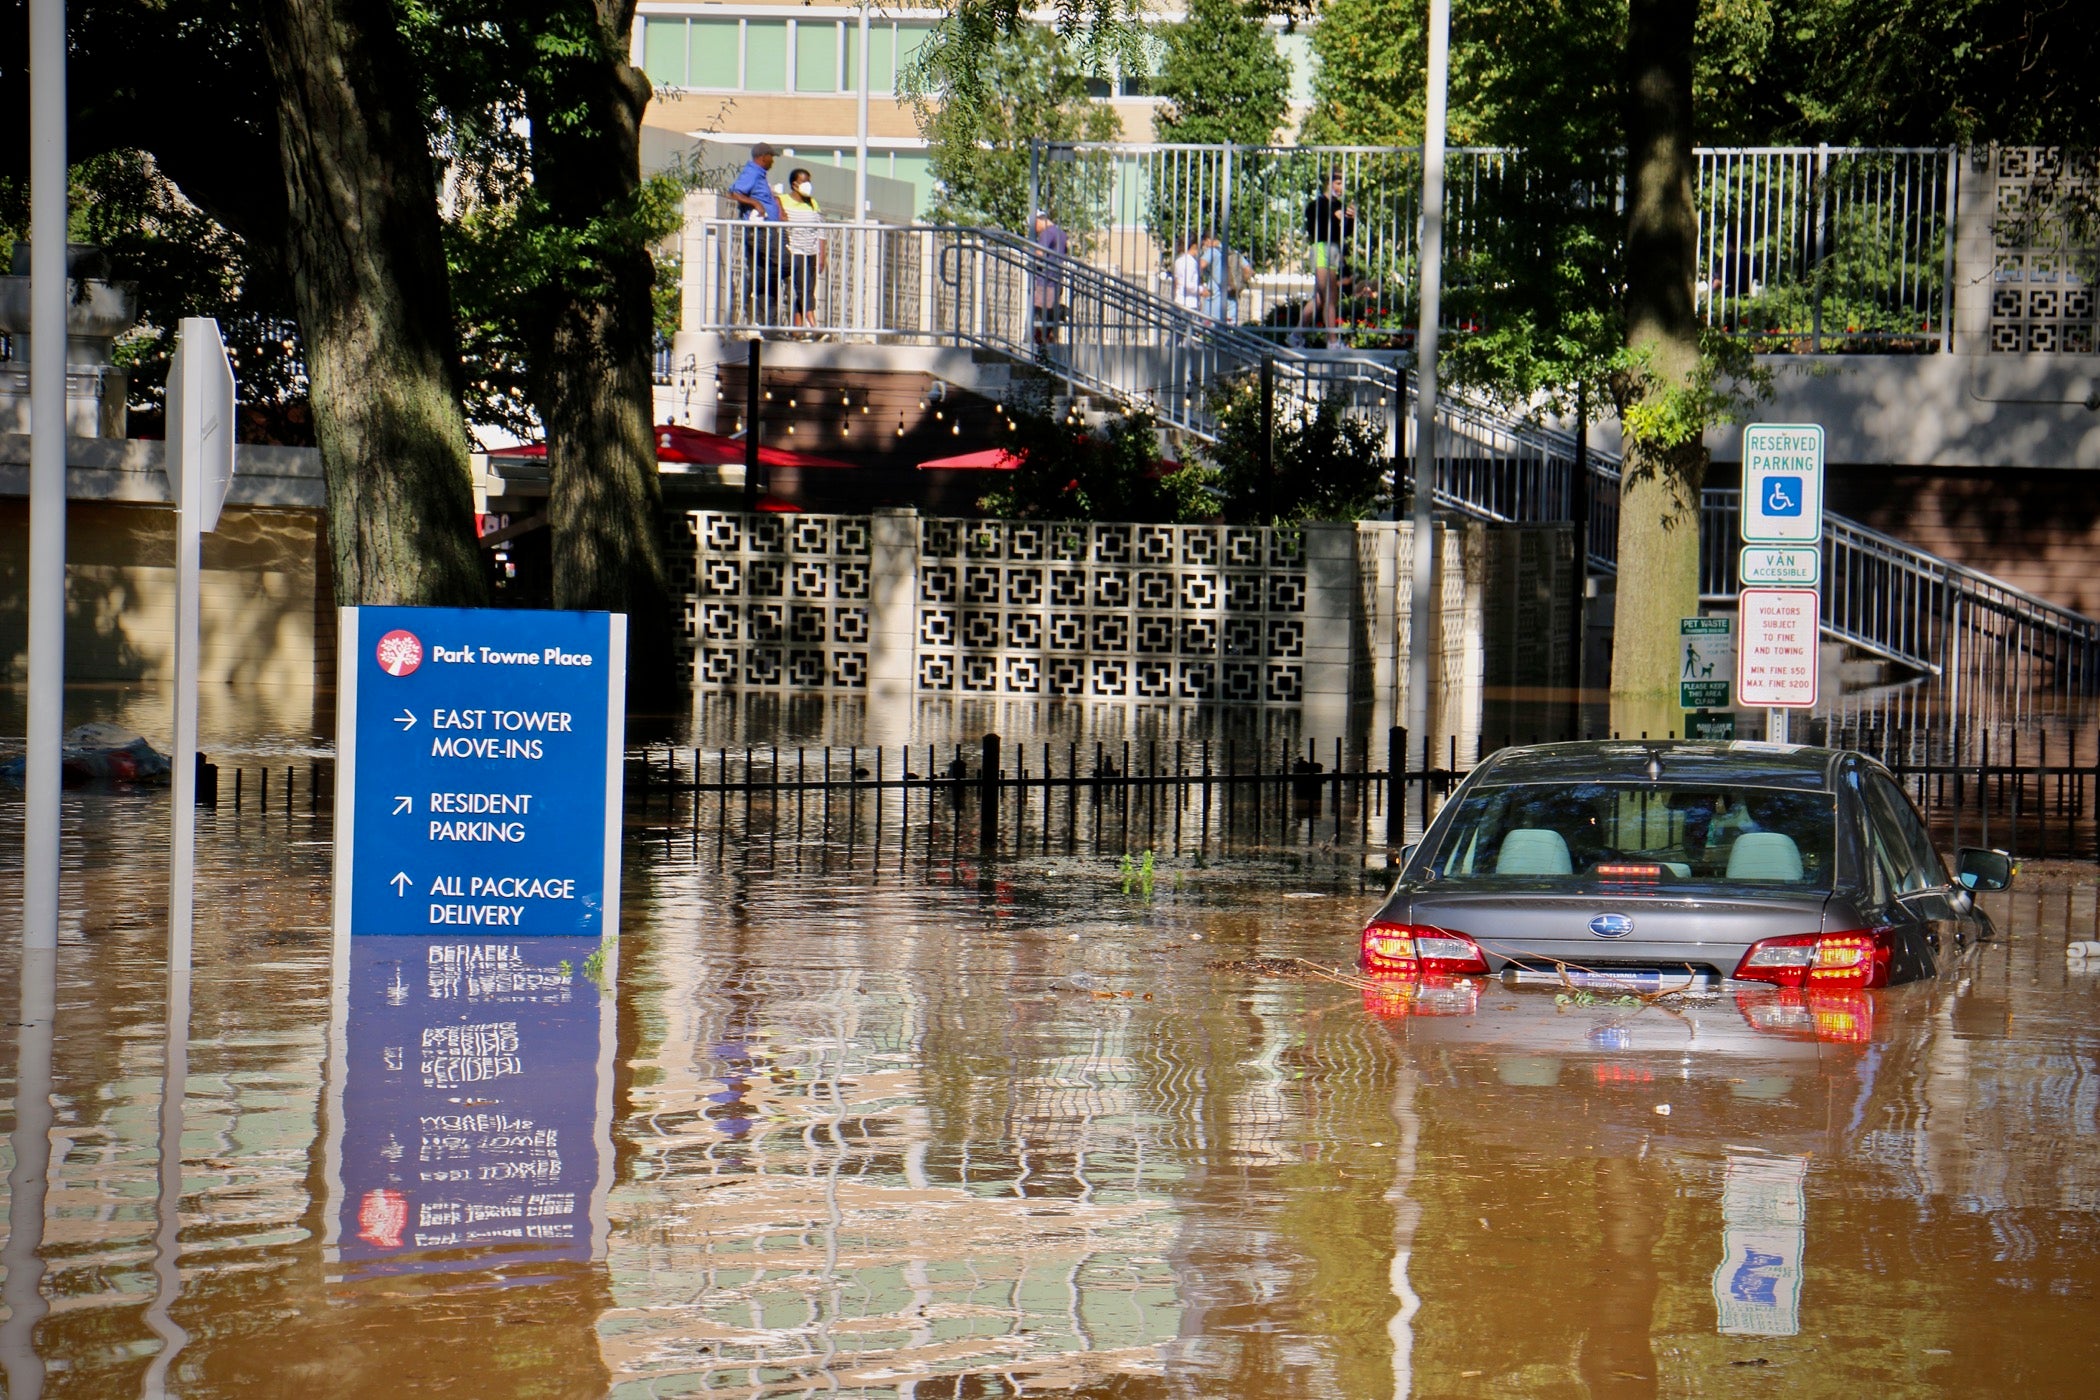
1114 338
1095 331
1998 647
1801 248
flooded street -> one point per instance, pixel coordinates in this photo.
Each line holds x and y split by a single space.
832 1126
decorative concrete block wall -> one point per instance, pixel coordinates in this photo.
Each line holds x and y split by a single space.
1206 614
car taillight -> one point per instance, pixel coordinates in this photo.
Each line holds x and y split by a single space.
1412 950
1859 958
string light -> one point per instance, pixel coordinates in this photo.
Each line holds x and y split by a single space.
956 431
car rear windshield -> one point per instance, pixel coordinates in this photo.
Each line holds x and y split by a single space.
1584 834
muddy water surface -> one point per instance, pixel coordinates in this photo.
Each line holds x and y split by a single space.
1011 1132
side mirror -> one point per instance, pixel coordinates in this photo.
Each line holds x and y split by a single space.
1407 853
1981 871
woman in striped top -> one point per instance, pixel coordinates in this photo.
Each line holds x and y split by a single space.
805 247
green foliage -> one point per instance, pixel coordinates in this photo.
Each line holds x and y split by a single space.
181 263
1222 78
1028 85
501 252
1664 418
1330 464
1067 472
1898 72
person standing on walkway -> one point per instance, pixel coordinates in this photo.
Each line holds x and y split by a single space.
1329 224
805 250
1214 264
1050 281
752 193
1188 275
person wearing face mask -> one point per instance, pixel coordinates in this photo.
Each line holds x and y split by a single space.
805 249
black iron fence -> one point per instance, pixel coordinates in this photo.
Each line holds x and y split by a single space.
1197 799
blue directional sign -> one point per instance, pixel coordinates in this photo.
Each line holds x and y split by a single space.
478 772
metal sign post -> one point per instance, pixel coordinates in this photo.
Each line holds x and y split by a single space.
200 469
1781 522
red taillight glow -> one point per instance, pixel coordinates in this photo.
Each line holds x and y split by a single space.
1393 997
1859 958
1417 950
1844 1016
1629 874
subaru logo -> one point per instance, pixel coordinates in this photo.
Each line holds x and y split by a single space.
1611 925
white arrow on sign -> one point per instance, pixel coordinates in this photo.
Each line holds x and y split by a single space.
406 719
403 804
400 882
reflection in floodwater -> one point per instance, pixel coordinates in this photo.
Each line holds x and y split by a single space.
29 1165
1035 1131
470 1123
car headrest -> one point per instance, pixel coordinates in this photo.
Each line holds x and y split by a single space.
1764 855
1531 850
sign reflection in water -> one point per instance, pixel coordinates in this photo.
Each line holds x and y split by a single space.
473 1099
1764 1214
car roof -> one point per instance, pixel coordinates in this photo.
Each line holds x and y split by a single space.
1682 760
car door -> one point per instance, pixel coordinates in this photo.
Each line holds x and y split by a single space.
1917 879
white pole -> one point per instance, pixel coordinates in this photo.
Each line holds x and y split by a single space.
47 469
186 475
28 1180
1422 630
860 150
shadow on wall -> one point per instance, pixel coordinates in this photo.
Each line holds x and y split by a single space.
2036 529
258 620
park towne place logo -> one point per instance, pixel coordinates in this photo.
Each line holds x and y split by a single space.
400 652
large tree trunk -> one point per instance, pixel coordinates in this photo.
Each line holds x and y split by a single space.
375 308
1659 498
592 333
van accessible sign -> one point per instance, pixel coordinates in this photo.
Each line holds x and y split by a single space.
479 772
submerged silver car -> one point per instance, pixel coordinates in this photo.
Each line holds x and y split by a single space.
1650 864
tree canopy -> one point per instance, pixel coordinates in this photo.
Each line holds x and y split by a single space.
1221 77
1033 87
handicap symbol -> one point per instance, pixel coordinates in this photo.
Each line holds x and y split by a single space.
1782 495
1756 1279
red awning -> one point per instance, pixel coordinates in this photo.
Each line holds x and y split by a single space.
691 446
992 459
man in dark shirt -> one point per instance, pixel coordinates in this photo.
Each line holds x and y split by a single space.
1050 282
1329 223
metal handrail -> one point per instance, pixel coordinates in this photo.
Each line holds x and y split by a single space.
1881 595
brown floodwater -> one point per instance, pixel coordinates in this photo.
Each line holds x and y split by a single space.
824 1128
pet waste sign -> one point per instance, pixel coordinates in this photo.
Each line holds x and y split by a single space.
1706 662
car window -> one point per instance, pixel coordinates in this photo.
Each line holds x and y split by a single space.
1582 833
1903 814
1891 848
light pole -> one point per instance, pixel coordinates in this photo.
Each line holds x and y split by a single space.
1421 642
860 149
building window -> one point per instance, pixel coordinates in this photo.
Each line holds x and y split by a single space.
756 55
765 55
663 51
716 47
816 56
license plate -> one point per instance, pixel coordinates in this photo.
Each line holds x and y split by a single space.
1631 980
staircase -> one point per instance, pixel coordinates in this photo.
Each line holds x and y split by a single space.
974 288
